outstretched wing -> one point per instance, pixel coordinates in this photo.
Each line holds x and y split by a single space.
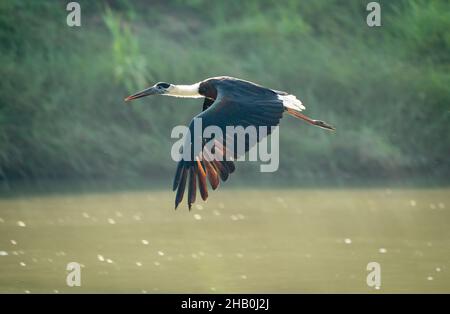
238 103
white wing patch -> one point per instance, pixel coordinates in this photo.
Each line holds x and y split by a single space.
291 102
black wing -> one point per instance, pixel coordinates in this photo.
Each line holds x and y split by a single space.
207 103
238 103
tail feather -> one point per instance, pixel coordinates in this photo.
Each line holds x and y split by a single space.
291 102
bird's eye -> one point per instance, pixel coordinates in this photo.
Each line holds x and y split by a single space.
162 85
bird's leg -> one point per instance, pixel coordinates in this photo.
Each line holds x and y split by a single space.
318 123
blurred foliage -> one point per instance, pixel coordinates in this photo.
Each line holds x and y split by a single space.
386 89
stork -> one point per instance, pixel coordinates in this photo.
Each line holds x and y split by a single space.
228 101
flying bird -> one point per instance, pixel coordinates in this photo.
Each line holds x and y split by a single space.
227 101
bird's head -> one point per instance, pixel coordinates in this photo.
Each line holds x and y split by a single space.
161 88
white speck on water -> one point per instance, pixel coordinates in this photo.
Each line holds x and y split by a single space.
15 253
348 241
240 255
418 253
1 220
22 264
377 287
50 260
219 255
3 253
429 278
55 291
213 289
34 259
21 224
233 217
137 217
240 216
160 253
413 203
144 242
139 264
201 253
144 291
382 250
111 221
100 258
216 212
119 214
109 261
199 207
243 276
194 255
85 215
157 263
13 242
432 206
441 205
438 269
197 217
27 291
280 200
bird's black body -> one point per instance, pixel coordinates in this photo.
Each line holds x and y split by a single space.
228 102
237 102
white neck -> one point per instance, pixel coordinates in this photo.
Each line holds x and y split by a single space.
190 91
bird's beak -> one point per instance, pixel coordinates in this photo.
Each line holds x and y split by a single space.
146 92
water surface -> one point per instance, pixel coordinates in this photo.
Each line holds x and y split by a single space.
253 240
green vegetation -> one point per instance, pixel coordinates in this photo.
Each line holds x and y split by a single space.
386 89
